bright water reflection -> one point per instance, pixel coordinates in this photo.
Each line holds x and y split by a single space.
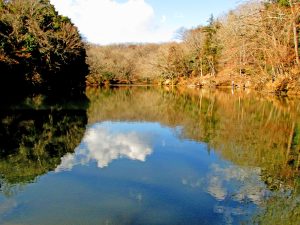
104 145
155 178
152 157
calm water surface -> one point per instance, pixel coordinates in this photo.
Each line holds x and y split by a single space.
151 156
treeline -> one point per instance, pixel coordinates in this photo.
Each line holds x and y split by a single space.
39 49
255 45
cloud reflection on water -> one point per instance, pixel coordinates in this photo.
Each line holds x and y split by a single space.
230 183
220 181
247 181
103 146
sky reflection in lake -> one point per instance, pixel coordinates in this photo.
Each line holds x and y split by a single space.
103 145
139 173
149 156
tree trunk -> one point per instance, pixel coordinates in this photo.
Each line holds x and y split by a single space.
201 68
295 32
296 41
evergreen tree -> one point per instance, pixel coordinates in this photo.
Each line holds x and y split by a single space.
211 48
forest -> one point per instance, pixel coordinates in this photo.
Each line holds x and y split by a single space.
253 46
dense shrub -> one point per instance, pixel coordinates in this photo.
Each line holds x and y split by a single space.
38 47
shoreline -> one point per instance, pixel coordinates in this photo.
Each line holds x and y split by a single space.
237 86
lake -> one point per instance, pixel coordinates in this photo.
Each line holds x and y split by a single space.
146 155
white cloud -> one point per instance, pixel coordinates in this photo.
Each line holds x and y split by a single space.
231 183
108 21
104 146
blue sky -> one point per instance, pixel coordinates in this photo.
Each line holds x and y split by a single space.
190 13
120 21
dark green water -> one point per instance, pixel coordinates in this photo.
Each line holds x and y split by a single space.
151 156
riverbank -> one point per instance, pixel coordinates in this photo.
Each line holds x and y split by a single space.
281 86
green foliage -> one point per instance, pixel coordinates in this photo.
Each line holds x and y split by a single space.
107 75
211 48
2 4
296 136
30 43
284 2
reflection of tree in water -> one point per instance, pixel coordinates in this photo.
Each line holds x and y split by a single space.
32 142
250 131
282 208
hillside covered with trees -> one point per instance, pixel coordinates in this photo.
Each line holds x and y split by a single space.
256 45
39 49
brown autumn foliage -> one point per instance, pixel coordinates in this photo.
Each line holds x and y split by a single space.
254 45
38 47
120 64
